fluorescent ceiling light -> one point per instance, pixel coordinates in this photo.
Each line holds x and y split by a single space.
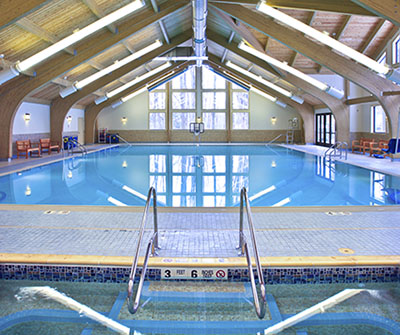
267 96
284 66
80 84
116 202
131 83
264 82
78 35
323 38
134 94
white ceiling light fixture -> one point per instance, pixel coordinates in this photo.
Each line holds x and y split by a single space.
82 83
122 88
269 97
265 82
22 66
128 97
329 41
284 66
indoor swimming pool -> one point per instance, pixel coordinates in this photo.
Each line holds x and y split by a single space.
199 176
191 307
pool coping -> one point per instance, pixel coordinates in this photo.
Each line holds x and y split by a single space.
209 262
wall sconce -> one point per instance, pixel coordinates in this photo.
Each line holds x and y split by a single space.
273 120
273 164
69 120
124 164
69 175
27 117
124 119
28 191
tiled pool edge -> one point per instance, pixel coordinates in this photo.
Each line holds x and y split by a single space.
277 270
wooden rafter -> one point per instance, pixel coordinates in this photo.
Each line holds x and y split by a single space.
242 31
96 10
226 50
362 100
338 35
388 9
34 29
13 10
372 35
336 6
394 32
309 22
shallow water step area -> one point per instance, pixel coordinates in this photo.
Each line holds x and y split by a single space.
187 307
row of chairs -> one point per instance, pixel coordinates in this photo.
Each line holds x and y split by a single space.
26 148
382 148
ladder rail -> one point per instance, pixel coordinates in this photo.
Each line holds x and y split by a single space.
337 150
79 145
153 244
122 139
244 203
273 140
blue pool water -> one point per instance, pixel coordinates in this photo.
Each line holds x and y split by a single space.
200 308
206 176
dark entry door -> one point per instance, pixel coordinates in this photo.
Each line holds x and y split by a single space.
326 129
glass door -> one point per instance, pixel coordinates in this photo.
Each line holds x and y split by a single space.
325 129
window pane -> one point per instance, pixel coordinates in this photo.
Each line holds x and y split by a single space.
240 120
157 121
214 120
182 164
211 80
238 182
214 100
208 184
157 163
186 80
183 100
240 100
214 164
157 100
182 120
379 118
183 184
213 201
159 183
240 164
183 201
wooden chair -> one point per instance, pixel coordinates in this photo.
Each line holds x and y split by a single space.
382 144
46 144
361 145
24 148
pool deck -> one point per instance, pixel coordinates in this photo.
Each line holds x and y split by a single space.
286 236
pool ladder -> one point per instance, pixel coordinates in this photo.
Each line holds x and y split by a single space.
134 302
244 250
337 150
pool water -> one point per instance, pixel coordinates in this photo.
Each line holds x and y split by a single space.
200 176
201 308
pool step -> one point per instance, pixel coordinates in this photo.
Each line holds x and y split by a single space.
197 296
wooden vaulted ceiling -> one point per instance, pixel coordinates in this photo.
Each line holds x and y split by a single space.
23 34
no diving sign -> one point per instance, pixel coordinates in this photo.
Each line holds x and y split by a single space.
194 273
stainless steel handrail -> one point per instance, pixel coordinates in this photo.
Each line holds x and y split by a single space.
273 140
260 308
79 145
153 244
337 149
121 138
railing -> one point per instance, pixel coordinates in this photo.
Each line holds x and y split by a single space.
70 147
122 139
273 140
337 150
152 245
260 307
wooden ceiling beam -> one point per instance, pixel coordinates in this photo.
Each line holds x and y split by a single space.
336 6
362 100
245 34
388 9
338 34
371 36
34 29
309 22
14 10
231 36
394 32
96 10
